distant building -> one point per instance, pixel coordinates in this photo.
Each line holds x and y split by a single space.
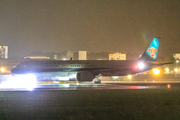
4 52
82 55
70 55
117 56
36 57
176 56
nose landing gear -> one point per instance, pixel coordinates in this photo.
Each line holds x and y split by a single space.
96 79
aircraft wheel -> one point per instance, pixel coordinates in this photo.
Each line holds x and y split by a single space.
97 81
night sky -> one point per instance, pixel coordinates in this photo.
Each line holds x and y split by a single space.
90 25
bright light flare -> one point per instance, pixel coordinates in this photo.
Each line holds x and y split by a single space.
63 78
27 81
129 76
156 71
141 65
167 70
176 70
3 70
73 76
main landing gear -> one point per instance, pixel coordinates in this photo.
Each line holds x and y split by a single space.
96 79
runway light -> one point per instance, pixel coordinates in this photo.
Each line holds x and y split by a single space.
156 71
167 70
3 70
168 85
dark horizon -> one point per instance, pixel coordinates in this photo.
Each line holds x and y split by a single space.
89 25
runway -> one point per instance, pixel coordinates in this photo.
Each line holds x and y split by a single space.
90 104
30 83
105 85
70 100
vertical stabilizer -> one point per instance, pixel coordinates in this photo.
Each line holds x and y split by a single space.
151 52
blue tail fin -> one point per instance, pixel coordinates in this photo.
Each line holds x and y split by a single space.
151 52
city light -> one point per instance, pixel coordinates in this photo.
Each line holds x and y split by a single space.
156 71
175 69
177 61
129 76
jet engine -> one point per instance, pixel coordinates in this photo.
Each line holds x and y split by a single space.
85 76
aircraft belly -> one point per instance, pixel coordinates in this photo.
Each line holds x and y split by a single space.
117 73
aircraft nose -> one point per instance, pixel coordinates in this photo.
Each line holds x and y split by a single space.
14 71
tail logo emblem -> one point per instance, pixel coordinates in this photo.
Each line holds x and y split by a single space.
152 51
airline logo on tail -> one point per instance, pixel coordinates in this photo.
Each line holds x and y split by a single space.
152 51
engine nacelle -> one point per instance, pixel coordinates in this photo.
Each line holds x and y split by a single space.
85 76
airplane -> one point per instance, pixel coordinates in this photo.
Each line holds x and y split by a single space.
89 70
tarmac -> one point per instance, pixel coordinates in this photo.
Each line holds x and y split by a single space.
88 101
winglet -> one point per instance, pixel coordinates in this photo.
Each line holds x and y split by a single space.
151 52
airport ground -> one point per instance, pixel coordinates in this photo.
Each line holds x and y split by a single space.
141 97
111 100
129 104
